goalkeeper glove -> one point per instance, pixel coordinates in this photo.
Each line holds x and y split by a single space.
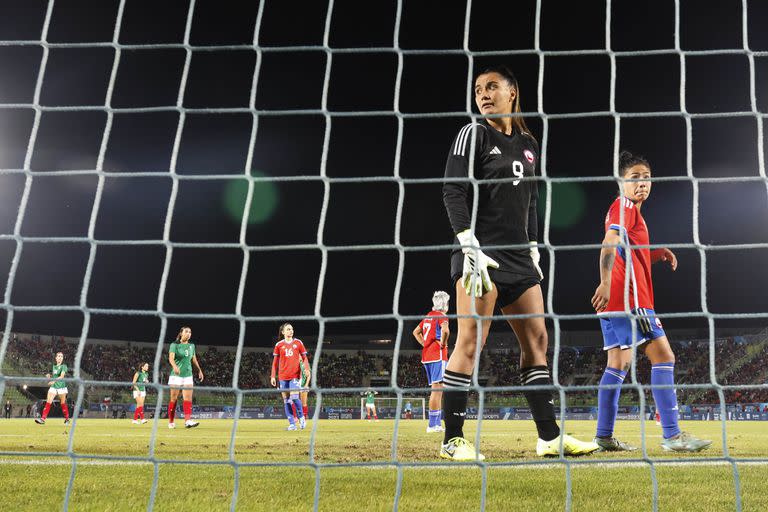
643 321
476 265
536 257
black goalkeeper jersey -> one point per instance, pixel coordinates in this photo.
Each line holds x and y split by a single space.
506 212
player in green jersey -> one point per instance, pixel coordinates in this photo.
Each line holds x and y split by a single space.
182 356
304 393
57 388
140 379
370 405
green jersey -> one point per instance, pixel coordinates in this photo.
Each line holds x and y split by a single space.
369 397
184 354
141 380
301 369
56 372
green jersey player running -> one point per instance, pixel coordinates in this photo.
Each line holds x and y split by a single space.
57 388
182 355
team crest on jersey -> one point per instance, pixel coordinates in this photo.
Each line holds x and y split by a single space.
294 345
528 155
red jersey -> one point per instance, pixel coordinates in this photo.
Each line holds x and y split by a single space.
431 330
288 356
634 231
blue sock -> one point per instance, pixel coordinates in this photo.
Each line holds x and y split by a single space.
666 399
288 411
434 418
608 401
299 407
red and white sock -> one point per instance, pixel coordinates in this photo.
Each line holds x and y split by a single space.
187 410
141 412
65 410
293 408
46 409
171 411
136 413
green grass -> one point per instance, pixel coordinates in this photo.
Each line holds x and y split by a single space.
39 482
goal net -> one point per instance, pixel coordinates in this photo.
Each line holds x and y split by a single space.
346 114
407 407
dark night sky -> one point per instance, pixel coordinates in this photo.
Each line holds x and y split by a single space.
359 282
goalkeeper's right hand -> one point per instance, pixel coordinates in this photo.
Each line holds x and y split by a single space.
476 265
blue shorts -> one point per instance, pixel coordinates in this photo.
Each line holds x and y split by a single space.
290 385
435 371
617 331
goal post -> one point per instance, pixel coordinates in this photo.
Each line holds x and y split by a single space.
386 407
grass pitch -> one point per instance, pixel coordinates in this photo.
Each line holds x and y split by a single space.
40 481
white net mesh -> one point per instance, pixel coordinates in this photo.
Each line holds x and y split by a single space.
542 55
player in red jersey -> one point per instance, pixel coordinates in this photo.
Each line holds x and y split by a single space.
288 354
432 334
624 224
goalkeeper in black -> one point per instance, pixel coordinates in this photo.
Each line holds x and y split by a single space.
500 148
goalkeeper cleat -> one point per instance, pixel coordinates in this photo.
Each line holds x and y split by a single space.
571 446
171 425
40 421
611 444
302 423
685 442
458 448
191 424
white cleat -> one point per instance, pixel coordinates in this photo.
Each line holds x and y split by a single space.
302 423
135 422
191 424
142 421
171 425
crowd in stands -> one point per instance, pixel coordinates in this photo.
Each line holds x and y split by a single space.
736 362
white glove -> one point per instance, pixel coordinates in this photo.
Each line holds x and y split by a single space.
536 257
474 277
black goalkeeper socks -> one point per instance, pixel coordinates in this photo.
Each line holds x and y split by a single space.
455 394
540 401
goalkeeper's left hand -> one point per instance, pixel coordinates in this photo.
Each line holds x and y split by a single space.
536 257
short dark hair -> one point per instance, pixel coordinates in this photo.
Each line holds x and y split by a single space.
628 160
